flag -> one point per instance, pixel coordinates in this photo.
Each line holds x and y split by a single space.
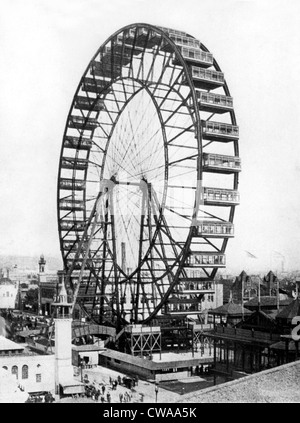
250 255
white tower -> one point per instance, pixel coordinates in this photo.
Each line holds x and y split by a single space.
42 264
63 339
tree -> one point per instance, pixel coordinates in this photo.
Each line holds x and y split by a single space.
31 299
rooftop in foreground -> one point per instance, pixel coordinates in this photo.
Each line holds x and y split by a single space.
277 385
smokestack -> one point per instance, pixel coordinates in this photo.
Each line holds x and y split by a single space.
277 294
243 297
123 249
259 295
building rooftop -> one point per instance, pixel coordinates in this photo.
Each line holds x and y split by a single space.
291 310
6 281
166 361
230 309
88 347
277 385
268 301
8 345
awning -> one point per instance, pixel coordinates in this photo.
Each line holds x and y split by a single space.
73 389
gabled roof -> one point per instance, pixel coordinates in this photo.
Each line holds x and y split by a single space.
259 319
6 281
8 345
230 309
290 311
267 300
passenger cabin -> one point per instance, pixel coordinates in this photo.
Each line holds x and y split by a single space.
78 143
70 245
206 259
107 69
72 225
85 123
218 131
74 163
147 37
78 263
214 103
124 51
221 197
214 229
72 184
217 163
196 287
88 103
183 306
195 56
180 40
129 36
66 204
94 85
205 78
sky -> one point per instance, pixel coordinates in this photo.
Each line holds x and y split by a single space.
45 47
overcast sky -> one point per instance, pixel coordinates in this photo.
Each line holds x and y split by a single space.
46 45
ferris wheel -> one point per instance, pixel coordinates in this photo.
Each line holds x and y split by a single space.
148 177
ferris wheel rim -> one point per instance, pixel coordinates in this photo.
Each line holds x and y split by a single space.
198 131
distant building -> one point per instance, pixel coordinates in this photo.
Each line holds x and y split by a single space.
249 287
48 284
8 293
268 304
244 288
226 283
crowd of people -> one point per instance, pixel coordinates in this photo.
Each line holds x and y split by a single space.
103 392
47 397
